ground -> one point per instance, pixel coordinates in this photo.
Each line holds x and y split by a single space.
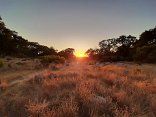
77 89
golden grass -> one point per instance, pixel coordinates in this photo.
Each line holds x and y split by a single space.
15 68
80 90
3 85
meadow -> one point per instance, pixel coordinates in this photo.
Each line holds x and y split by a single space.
77 58
77 89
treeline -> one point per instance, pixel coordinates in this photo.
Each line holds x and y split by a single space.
11 44
127 48
123 48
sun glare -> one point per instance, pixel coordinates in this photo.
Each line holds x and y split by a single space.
80 54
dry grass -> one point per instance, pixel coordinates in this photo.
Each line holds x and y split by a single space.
15 68
3 85
80 90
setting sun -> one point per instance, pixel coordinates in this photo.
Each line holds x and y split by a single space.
80 54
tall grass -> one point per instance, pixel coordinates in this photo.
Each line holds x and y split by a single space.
85 91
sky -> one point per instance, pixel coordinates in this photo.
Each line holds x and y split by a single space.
79 24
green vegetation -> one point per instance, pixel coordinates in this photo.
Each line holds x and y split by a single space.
46 60
146 47
123 48
127 48
146 53
67 53
14 45
78 90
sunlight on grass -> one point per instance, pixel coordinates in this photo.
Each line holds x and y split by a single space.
81 90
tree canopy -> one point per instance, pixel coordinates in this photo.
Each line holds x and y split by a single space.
127 48
123 48
67 53
13 44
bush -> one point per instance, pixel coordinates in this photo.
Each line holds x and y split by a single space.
146 54
46 60
151 57
1 63
113 58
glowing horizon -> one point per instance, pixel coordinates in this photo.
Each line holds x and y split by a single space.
80 24
80 54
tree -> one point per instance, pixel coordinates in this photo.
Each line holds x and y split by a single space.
117 48
2 25
147 38
125 45
93 53
146 54
13 44
67 53
145 47
107 46
126 41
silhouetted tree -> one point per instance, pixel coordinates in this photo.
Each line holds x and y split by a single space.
125 46
67 53
145 47
12 44
147 38
93 53
129 48
117 48
107 46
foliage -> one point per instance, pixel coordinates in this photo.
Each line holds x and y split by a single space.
67 53
1 63
127 48
107 46
92 53
46 60
116 49
146 53
147 38
145 47
123 48
12 44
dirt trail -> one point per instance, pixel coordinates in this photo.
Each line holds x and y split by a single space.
74 66
80 67
25 78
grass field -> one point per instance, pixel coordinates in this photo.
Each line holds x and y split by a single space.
79 90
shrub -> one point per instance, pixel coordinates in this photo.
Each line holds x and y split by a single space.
37 108
146 54
46 60
152 56
1 63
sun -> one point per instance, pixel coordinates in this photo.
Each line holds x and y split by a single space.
80 54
